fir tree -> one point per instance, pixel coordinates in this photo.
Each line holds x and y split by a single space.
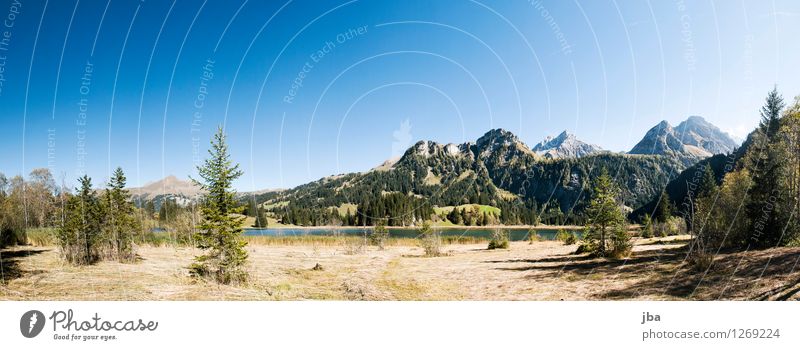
604 211
79 234
261 218
219 233
664 208
765 204
119 223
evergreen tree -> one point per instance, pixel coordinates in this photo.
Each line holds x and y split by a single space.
706 191
150 209
261 218
664 208
79 234
119 223
771 114
708 184
604 212
765 205
252 208
219 233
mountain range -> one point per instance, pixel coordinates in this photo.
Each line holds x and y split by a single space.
498 169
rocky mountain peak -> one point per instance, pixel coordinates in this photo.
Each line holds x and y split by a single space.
565 145
497 137
694 137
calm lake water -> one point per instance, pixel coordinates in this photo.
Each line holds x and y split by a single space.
516 234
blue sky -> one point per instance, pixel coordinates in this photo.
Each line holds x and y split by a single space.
306 89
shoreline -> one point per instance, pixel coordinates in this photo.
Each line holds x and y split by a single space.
456 227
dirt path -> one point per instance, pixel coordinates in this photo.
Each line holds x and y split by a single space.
540 271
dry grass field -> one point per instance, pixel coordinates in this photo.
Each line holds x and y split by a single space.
544 270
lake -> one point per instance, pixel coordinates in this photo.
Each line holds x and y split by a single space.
515 234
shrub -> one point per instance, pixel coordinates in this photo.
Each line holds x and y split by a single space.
586 247
562 235
587 244
671 227
11 236
430 240
499 239
533 236
379 236
569 238
647 227
620 243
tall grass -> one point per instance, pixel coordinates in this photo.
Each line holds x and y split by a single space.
47 237
44 236
344 240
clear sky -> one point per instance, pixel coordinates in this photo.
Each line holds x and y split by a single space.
310 88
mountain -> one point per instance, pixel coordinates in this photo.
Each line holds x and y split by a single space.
170 187
182 191
167 185
565 145
497 169
678 189
692 140
697 132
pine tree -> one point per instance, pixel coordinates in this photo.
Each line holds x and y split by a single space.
604 211
664 208
219 233
765 204
150 209
708 184
119 223
771 114
261 218
79 234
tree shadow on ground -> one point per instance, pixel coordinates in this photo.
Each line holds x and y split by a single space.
10 259
659 273
557 258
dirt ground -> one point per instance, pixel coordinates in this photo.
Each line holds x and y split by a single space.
540 271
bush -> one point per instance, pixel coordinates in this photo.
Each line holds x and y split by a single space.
562 235
671 227
11 236
533 236
430 240
620 243
586 247
647 227
379 236
499 239
569 238
587 244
